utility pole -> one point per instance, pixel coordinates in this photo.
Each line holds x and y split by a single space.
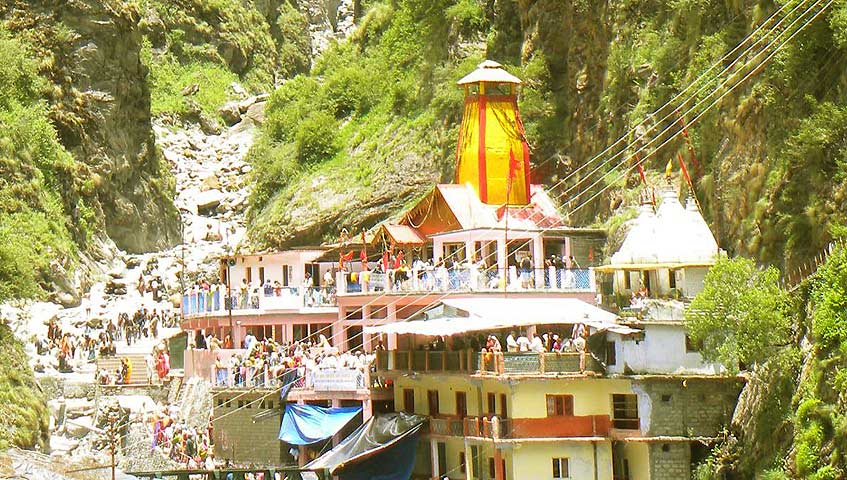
112 433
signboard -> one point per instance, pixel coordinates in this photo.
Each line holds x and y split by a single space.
335 380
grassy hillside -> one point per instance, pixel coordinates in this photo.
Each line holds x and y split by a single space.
212 43
44 209
23 411
771 152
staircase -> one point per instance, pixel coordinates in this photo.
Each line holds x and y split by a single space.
137 360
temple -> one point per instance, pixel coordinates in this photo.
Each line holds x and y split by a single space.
510 343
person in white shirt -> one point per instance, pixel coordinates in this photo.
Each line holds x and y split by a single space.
511 343
523 343
536 345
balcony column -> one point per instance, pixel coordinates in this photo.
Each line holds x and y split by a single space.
568 252
470 251
391 316
502 259
468 460
366 321
437 249
367 409
433 448
288 333
538 261
339 336
335 403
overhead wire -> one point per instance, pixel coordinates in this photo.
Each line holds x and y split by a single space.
672 126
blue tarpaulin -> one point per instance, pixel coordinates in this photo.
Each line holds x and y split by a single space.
383 448
307 424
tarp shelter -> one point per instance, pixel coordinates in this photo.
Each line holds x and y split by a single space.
381 449
485 314
307 424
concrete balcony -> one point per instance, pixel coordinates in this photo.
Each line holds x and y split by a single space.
476 363
521 428
463 280
215 303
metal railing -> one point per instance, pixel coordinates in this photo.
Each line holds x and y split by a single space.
465 279
288 298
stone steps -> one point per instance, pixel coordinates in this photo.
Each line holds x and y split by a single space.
137 360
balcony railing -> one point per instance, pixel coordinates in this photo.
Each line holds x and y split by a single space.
466 279
293 298
545 427
485 363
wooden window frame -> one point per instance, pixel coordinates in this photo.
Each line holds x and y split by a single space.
560 405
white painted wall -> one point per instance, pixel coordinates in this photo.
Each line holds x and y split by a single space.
661 351
273 265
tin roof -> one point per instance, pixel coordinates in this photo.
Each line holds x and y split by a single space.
491 72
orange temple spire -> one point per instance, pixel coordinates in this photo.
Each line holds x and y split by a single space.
492 154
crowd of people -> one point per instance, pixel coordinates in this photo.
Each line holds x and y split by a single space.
266 362
394 273
189 446
142 323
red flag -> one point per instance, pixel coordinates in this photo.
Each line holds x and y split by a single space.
385 259
399 260
689 144
363 255
685 172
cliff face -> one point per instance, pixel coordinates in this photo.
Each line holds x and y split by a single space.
99 104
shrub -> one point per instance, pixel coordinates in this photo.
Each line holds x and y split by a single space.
315 138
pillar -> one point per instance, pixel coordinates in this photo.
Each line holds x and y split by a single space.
288 332
499 474
538 261
437 249
468 461
367 409
391 317
567 252
433 448
339 336
470 251
502 258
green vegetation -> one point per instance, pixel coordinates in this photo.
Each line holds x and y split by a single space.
23 411
40 190
741 316
381 106
212 43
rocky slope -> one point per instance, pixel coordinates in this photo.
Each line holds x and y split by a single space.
99 103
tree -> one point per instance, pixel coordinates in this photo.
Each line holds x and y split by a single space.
741 316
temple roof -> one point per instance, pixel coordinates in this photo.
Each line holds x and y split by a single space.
674 235
491 72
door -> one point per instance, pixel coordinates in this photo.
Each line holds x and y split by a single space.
461 404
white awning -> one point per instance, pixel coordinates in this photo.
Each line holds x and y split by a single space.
495 313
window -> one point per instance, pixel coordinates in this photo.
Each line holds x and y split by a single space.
561 468
461 405
409 400
286 275
432 401
462 465
691 346
249 271
672 278
262 275
611 355
627 281
492 470
625 411
504 412
270 405
559 405
666 398
492 403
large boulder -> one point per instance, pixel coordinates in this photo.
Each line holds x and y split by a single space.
230 113
206 202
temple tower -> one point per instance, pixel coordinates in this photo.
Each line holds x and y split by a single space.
492 154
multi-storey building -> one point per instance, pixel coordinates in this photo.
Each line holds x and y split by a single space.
487 255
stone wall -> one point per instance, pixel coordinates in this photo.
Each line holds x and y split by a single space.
670 461
687 407
239 436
